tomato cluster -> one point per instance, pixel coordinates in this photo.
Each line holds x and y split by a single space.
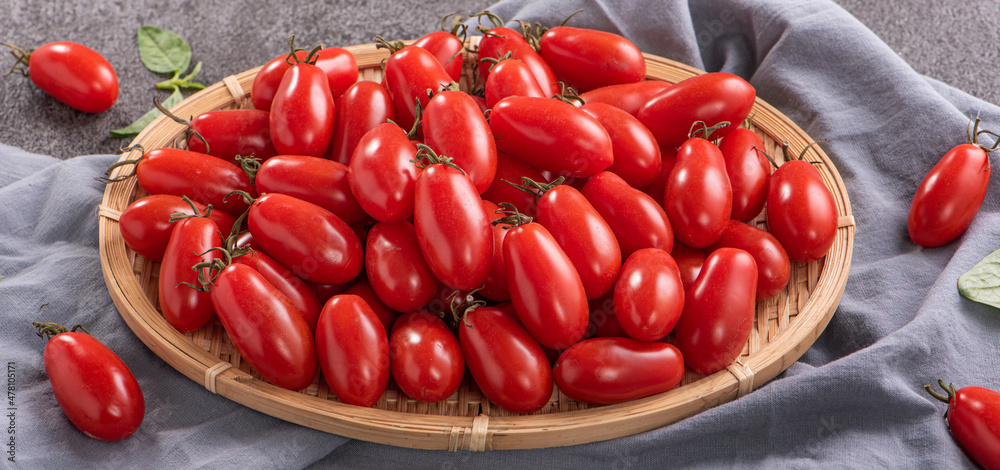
413 229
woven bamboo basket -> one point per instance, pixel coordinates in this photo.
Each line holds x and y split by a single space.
785 326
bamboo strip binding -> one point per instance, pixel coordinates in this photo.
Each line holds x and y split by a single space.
784 327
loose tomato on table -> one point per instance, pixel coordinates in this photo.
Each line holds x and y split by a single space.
363 106
353 350
146 223
70 72
425 357
950 195
588 59
185 304
974 419
801 212
649 295
604 371
634 217
712 98
698 198
94 388
323 182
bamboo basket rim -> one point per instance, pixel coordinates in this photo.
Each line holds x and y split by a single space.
481 432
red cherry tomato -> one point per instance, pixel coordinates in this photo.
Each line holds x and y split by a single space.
227 133
628 97
363 288
801 212
382 177
544 286
495 285
506 362
588 59
146 227
583 235
748 170
93 386
72 73
718 311
184 305
363 106
447 48
974 419
510 77
497 42
949 196
201 177
396 269
636 153
635 218
689 262
328 252
353 350
302 112
265 327
649 295
454 113
535 129
317 180
291 286
512 169
410 73
338 64
711 98
425 357
604 371
773 267
698 199
452 227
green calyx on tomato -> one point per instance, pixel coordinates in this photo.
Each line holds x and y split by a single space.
513 218
49 329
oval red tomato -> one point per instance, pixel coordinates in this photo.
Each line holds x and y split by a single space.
502 40
93 386
635 218
974 419
228 133
323 182
949 196
425 357
182 301
447 48
712 98
698 199
301 115
748 170
588 58
338 64
363 106
293 287
510 77
454 126
801 212
396 268
146 227
72 73
201 177
604 371
636 155
382 177
353 350
649 295
410 73
773 266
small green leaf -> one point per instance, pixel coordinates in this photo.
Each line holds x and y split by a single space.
141 123
163 51
982 282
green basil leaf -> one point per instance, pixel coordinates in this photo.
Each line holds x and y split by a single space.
163 51
136 127
982 282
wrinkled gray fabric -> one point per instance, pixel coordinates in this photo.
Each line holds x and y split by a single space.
854 400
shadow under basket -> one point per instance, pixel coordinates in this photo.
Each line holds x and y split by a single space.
784 327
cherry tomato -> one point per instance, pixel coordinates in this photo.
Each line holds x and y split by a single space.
302 112
588 58
92 385
338 64
748 170
535 129
583 235
636 153
495 285
317 180
801 212
396 268
698 199
447 48
452 227
506 362
773 267
201 177
497 42
949 196
974 419
635 218
604 371
410 73
712 98
363 288
293 287
226 133
510 77
309 240
382 177
145 224
649 295
718 311
425 357
363 106
450 114
264 326
545 288
184 304
628 97
72 73
353 350
510 170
